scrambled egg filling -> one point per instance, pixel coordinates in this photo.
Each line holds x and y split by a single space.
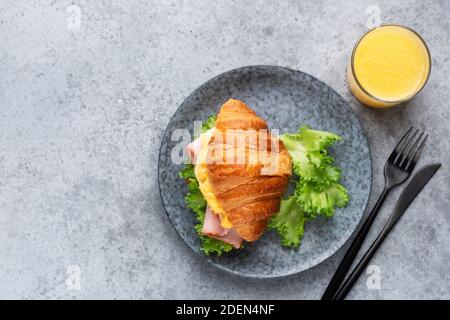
201 172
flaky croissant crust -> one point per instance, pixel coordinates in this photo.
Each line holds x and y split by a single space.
247 176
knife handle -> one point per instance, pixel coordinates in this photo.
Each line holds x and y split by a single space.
360 267
352 251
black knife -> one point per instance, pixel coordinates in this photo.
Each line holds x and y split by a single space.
407 196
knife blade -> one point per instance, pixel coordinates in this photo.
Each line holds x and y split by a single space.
410 192
407 196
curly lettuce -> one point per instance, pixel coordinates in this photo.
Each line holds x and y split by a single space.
310 159
289 222
316 200
209 123
317 191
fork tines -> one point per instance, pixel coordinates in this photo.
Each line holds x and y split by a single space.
407 151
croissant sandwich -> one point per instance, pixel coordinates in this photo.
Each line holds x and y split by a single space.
239 171
242 172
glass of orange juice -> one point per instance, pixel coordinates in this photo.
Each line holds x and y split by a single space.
390 64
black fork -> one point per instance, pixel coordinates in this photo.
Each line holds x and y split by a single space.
397 169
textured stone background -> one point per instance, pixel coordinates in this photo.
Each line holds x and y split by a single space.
82 112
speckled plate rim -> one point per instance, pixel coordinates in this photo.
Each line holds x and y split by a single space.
320 259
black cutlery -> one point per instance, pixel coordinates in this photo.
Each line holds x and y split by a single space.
397 169
407 196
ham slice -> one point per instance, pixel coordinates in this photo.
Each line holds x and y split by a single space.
193 149
213 229
232 238
211 225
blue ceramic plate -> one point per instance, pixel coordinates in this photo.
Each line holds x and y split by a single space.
286 99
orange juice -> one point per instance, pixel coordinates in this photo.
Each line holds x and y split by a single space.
390 64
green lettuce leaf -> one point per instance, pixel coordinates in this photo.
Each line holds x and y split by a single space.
323 201
308 151
209 123
194 197
317 190
187 172
289 222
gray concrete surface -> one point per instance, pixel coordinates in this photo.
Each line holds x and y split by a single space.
84 102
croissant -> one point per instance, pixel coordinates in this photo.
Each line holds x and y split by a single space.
247 169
